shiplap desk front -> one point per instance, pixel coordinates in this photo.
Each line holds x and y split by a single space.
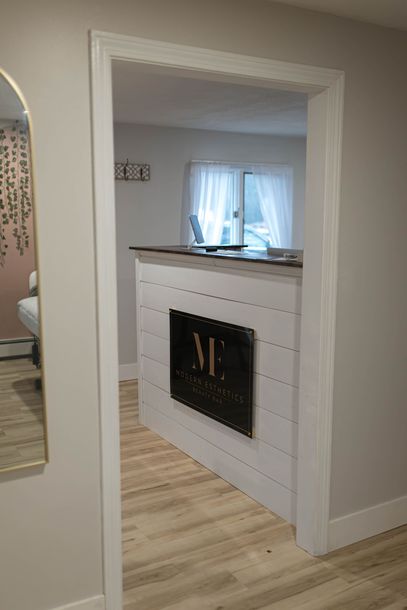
244 291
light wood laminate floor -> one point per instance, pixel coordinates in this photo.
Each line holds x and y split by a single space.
21 414
191 541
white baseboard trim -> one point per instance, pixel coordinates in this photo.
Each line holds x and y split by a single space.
92 603
15 347
366 523
128 371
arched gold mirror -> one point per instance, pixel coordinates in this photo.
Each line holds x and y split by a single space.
23 439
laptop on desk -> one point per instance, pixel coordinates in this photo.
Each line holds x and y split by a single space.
199 238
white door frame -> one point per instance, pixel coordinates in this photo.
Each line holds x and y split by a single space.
324 146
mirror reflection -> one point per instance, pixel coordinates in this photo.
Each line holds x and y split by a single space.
22 411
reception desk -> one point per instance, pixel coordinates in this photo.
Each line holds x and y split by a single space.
249 290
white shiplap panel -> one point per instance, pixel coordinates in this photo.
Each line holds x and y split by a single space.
271 325
271 395
270 428
265 289
276 431
277 397
272 361
156 373
264 467
155 322
215 262
277 362
274 496
261 456
155 348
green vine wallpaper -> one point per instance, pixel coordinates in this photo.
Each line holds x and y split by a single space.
15 188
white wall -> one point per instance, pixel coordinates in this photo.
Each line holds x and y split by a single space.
50 520
150 213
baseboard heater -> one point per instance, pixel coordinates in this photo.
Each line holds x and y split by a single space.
16 348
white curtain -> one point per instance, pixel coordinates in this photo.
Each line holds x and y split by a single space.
274 185
211 191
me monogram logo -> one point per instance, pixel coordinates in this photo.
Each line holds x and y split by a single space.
214 355
211 368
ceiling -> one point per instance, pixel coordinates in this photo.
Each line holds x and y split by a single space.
150 97
390 13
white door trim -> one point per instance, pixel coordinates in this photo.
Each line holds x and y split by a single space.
320 271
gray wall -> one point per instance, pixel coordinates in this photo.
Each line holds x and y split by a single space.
150 213
50 520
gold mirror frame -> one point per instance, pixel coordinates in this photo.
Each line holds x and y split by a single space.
30 464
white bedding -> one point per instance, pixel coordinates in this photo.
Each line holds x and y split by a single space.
27 311
33 284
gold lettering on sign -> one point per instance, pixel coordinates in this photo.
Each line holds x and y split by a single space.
216 349
199 351
212 357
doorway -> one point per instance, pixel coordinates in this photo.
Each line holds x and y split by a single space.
195 139
325 89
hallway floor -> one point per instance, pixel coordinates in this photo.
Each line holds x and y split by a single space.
191 541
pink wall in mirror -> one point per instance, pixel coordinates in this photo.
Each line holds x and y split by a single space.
14 284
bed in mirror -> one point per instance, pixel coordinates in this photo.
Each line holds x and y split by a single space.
23 438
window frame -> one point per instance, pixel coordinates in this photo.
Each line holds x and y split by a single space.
237 218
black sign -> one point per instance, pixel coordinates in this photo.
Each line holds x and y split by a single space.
212 368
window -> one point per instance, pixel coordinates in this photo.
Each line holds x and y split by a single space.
243 204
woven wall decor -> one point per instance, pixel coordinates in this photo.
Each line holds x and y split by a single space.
139 172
